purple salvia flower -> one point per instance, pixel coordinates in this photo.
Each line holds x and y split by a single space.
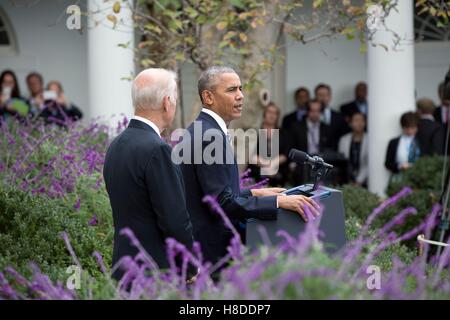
93 221
65 237
99 259
397 220
387 203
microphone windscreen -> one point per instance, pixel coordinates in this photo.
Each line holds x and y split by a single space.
298 156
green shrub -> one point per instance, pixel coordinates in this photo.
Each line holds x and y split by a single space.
426 174
30 228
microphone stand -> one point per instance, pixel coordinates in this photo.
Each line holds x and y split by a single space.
319 172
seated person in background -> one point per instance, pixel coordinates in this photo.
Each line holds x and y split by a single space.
358 105
354 147
35 84
71 110
311 136
403 151
11 103
430 134
270 122
301 98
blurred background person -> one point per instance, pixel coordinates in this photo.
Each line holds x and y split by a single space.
310 136
357 105
430 134
35 83
442 114
301 98
404 150
354 147
271 119
11 102
334 120
71 110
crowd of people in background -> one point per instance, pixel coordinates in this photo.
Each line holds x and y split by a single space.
45 102
340 137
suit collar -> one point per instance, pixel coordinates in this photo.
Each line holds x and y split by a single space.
218 119
206 117
137 124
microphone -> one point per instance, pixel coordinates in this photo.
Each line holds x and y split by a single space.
302 157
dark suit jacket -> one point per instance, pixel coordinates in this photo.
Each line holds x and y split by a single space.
290 119
430 136
299 137
391 155
221 181
337 128
348 109
438 115
146 193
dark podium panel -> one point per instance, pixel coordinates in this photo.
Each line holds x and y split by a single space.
332 223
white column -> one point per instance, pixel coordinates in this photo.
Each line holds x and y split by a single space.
391 86
108 64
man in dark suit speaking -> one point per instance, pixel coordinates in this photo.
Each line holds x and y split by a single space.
221 94
145 187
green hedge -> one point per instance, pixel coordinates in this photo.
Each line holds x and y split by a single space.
30 228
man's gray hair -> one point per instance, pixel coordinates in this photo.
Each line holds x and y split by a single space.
151 86
207 79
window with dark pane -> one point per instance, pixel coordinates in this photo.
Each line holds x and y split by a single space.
4 40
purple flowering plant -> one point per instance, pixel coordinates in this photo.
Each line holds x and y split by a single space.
62 167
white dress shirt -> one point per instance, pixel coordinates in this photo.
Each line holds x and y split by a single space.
218 119
151 124
313 131
403 149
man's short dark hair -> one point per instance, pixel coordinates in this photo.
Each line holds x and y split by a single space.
37 75
409 119
308 104
297 92
321 86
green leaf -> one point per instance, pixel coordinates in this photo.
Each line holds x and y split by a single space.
237 4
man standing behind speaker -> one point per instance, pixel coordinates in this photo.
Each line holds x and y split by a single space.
221 94
145 187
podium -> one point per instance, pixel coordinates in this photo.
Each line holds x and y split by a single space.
332 223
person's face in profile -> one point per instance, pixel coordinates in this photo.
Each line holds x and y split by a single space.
314 112
358 123
226 97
